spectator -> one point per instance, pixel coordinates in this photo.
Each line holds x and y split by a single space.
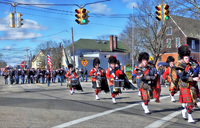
5 74
54 73
85 74
48 77
80 75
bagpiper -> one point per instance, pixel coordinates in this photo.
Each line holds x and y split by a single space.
146 79
98 78
73 81
170 76
155 84
188 93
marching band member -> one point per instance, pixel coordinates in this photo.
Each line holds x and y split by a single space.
168 75
146 78
111 74
187 85
71 74
98 78
155 84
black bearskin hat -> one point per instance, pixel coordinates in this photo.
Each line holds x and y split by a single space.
96 61
184 50
112 59
70 65
143 56
170 59
117 62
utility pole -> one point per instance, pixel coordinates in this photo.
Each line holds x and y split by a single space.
133 42
73 45
27 57
47 53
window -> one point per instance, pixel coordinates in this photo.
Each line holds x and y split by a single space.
169 30
177 42
159 58
37 63
193 44
168 43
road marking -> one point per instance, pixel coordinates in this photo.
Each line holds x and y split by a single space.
160 122
99 114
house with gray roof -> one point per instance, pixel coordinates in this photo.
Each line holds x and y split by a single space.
88 49
180 31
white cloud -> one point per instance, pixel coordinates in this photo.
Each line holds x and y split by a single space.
20 33
7 48
130 5
99 8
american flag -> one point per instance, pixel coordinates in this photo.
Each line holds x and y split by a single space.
49 61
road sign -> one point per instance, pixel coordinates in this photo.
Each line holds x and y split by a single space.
128 69
84 62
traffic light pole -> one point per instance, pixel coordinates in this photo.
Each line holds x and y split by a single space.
133 42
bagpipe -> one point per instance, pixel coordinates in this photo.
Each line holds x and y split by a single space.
194 63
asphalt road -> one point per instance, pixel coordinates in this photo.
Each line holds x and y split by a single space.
36 105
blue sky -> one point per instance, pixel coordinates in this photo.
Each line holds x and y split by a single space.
38 27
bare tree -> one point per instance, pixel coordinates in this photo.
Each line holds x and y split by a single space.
126 38
66 43
188 8
103 37
149 33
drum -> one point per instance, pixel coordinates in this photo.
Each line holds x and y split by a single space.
117 85
74 81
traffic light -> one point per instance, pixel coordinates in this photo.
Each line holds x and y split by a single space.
82 16
85 16
12 20
166 12
19 20
78 16
159 12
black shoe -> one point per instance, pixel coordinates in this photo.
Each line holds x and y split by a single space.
192 122
185 118
148 113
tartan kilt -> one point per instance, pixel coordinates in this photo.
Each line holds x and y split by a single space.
156 88
144 95
185 96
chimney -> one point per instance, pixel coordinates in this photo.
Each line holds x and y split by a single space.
111 42
115 42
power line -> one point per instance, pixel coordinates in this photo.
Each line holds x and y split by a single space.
68 19
96 14
17 3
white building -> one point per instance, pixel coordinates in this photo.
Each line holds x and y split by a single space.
90 48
